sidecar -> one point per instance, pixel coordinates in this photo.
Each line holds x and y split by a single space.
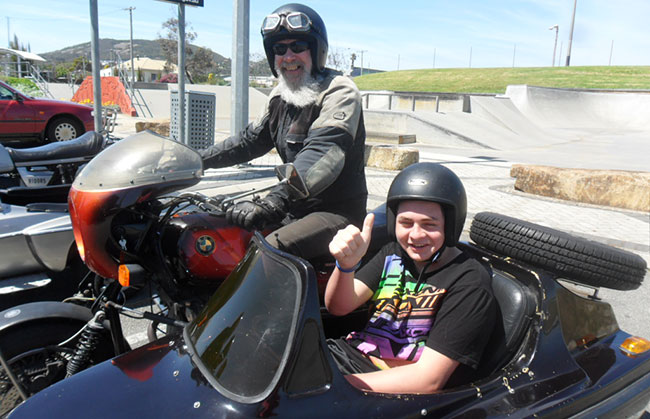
258 349
39 259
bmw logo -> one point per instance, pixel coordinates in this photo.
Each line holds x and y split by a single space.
205 245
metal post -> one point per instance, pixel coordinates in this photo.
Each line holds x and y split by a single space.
470 57
556 27
573 21
361 72
434 58
181 74
130 9
94 54
514 53
239 68
611 51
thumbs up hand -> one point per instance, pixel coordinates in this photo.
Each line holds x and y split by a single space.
350 244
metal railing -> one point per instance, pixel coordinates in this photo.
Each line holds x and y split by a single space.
136 96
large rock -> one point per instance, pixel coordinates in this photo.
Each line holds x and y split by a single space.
390 157
615 188
158 126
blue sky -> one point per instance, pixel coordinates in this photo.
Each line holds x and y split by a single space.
393 35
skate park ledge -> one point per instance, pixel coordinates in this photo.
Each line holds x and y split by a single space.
614 188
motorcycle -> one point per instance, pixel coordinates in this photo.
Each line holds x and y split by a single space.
258 348
133 229
45 173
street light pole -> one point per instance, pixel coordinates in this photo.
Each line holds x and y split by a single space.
573 21
556 27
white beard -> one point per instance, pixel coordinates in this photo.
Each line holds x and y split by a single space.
301 94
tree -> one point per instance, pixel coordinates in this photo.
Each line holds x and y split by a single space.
198 61
258 66
338 59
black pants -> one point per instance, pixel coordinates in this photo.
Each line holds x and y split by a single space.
349 359
309 237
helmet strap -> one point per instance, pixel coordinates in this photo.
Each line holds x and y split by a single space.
422 274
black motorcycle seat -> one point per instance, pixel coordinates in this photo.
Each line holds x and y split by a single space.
86 145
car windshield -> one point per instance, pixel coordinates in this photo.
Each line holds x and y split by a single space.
241 340
141 159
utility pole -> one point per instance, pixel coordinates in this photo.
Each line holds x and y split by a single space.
8 36
556 27
611 51
573 21
362 51
131 9
470 57
514 53
434 58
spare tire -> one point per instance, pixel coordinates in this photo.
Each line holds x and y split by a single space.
574 258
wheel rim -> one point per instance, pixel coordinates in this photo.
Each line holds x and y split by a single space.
65 132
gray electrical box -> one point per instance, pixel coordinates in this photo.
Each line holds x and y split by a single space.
200 111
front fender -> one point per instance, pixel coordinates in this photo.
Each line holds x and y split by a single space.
42 310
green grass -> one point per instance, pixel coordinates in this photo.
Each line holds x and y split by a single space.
495 80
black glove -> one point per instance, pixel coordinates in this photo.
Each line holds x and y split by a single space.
256 214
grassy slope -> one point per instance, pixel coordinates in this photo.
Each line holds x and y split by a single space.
495 80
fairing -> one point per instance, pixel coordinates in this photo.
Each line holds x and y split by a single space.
136 169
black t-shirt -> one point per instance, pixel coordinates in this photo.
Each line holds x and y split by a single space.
452 312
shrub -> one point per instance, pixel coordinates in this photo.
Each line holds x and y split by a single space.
169 78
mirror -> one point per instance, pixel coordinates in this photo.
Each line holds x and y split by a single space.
287 173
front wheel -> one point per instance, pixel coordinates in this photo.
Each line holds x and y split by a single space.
38 354
64 129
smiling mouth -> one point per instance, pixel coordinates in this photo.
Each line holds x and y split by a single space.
291 67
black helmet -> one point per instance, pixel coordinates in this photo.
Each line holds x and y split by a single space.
434 183
296 21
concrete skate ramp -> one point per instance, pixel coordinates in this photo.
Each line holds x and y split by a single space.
576 109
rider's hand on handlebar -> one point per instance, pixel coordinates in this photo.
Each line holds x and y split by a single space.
350 244
254 215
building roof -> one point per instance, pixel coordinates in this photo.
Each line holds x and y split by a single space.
146 64
30 56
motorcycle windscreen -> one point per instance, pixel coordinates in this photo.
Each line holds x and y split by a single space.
141 159
139 168
242 339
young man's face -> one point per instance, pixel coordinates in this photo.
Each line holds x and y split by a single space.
293 66
420 229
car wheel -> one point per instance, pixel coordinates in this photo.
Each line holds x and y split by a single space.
574 258
64 129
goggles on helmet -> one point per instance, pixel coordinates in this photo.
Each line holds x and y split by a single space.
293 22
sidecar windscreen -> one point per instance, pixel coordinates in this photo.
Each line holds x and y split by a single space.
141 159
242 339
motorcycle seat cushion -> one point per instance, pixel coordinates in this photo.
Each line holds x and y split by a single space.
86 145
516 308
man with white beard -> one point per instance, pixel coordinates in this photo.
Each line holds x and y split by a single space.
313 118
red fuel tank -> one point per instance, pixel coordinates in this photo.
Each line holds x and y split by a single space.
208 248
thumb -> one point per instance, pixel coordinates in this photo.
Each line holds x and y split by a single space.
366 231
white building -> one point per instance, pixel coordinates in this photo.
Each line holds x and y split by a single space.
146 69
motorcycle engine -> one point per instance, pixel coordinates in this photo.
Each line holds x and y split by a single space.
203 248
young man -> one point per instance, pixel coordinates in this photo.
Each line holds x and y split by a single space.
313 119
433 305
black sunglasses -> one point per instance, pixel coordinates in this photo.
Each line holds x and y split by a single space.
296 47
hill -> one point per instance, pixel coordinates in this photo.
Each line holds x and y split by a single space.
108 47
495 80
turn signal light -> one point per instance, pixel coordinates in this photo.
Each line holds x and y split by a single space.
634 346
124 276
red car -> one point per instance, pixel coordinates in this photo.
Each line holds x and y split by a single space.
24 118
